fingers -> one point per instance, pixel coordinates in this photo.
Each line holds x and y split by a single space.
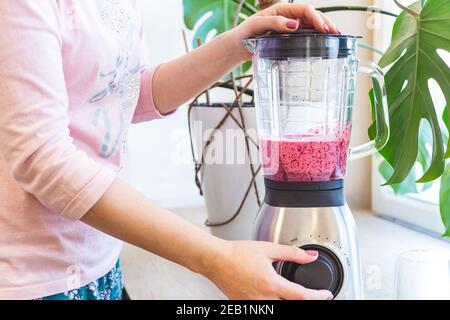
330 23
261 24
293 254
314 17
292 291
305 12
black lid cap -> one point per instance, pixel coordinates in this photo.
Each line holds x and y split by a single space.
306 44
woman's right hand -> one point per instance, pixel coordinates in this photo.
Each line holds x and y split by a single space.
244 271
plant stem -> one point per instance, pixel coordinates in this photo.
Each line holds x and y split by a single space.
247 6
264 4
248 92
357 8
331 9
406 9
368 47
238 11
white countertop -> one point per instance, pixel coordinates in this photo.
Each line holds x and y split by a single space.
150 277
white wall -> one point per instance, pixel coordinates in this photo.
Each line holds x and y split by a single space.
151 165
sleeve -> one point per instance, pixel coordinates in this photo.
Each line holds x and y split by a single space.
35 141
146 109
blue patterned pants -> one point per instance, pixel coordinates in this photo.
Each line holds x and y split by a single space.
108 287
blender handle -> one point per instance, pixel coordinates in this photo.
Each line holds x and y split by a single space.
381 113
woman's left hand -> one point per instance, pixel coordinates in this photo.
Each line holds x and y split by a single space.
177 81
282 18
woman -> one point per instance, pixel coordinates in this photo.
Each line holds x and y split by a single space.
74 76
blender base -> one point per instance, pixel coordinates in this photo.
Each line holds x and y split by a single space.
329 230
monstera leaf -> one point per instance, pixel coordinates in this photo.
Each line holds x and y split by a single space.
413 60
446 118
409 185
215 16
445 200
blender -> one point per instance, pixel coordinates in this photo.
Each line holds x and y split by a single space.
304 96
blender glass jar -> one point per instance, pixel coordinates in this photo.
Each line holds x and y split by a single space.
304 95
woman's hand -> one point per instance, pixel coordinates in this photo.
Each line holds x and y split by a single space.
282 18
245 272
180 80
242 270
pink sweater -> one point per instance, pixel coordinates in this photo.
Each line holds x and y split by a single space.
73 77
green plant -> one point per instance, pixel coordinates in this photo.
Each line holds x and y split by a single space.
215 16
412 59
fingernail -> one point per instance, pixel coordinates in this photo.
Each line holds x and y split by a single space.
325 26
330 298
312 253
292 24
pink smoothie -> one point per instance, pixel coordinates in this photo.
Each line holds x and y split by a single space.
306 159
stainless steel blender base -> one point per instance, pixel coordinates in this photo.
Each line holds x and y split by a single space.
331 231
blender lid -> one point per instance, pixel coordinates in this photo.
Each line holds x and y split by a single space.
305 43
